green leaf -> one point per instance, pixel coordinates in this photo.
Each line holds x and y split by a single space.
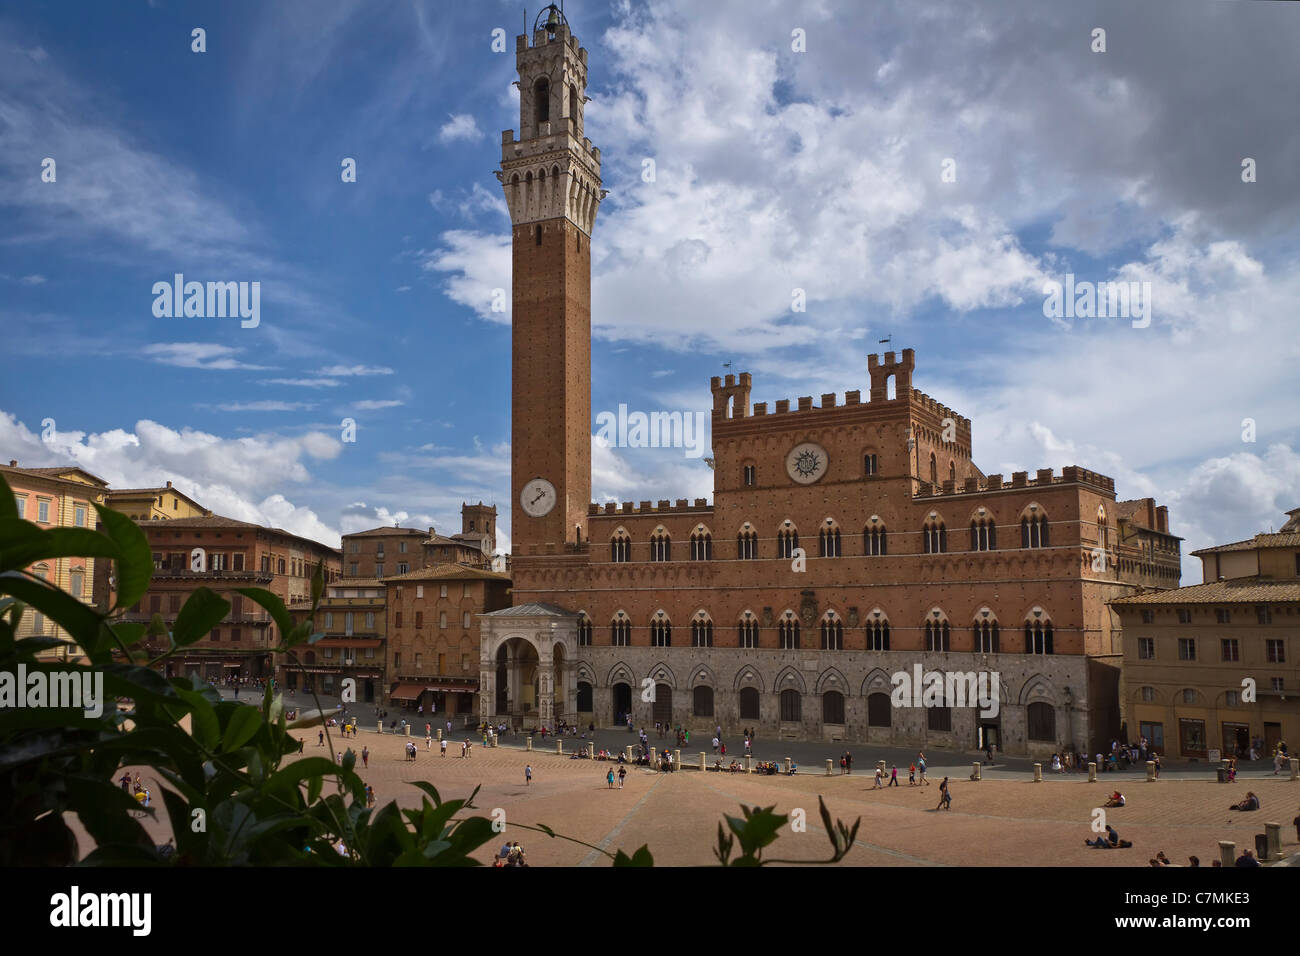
135 566
8 503
65 610
202 612
25 544
244 723
641 857
203 719
274 606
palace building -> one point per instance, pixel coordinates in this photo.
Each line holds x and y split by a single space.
847 541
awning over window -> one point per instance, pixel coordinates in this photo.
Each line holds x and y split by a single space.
452 688
407 691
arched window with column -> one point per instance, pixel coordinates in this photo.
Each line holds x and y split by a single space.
877 630
787 629
701 630
983 531
875 539
934 536
986 632
1038 632
832 629
747 543
620 546
661 545
787 539
1033 527
937 631
748 630
701 544
620 630
828 539
661 630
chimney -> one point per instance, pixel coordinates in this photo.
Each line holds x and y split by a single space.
1162 519
169 484
13 462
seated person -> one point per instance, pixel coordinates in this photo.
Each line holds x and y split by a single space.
1116 800
1107 842
1250 803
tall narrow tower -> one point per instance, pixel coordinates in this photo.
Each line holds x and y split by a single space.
551 178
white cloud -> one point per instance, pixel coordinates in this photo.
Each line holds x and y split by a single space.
371 404
264 406
206 355
461 126
349 370
302 382
242 478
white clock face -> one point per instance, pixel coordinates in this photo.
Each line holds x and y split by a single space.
806 463
537 498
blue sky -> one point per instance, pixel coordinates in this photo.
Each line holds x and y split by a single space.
774 170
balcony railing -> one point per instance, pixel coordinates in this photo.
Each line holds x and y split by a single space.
164 571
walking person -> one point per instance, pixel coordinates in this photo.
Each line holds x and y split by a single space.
911 776
528 775
893 776
945 798
320 739
622 772
920 765
365 757
609 778
442 745
848 762
842 764
879 784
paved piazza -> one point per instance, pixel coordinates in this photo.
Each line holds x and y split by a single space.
1003 820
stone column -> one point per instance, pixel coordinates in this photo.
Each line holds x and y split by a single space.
749 764
1092 771
559 745
627 752
528 745
408 730
828 766
439 733
654 756
1151 771
703 766
1227 853
545 688
591 749
677 759
787 764
487 686
1273 831
975 771
381 726
1038 773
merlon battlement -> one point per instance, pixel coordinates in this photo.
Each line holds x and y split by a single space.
682 505
1071 474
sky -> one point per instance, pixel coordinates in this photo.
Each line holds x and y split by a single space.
922 171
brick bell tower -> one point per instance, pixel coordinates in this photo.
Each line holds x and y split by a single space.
551 178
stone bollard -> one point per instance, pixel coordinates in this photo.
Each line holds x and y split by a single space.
381 726
1273 831
529 744
787 764
407 728
654 757
1038 773
749 764
702 764
559 746
439 733
828 766
591 750
1151 771
627 752
1092 771
677 759
975 770
1227 853
880 765
1295 768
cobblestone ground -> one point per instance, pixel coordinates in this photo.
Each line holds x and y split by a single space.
1003 820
